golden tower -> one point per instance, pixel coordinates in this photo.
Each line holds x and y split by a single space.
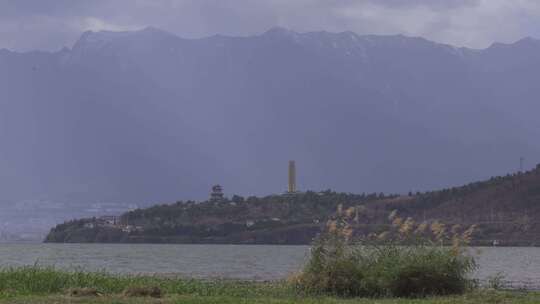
292 177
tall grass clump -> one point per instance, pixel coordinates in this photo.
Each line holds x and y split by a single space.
408 259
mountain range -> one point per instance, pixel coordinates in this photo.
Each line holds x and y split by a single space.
146 116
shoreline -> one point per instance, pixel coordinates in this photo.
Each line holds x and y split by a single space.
250 244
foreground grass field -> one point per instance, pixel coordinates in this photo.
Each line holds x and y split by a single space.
473 298
48 286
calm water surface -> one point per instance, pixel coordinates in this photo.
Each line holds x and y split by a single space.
520 266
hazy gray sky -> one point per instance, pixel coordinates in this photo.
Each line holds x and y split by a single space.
52 24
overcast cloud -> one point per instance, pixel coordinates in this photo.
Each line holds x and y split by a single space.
52 24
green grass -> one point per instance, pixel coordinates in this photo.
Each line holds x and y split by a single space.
49 285
473 298
34 280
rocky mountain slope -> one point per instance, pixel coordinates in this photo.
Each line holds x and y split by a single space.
146 116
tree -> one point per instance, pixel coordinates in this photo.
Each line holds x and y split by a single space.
237 199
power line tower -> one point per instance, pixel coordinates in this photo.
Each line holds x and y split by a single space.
521 164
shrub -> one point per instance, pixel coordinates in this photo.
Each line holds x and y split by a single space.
424 271
331 270
407 260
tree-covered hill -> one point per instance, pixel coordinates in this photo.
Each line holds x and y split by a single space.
275 219
504 209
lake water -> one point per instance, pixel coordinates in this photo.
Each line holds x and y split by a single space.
520 266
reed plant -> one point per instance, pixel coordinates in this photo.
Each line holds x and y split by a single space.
408 259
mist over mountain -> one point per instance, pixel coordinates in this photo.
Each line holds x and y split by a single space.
146 116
